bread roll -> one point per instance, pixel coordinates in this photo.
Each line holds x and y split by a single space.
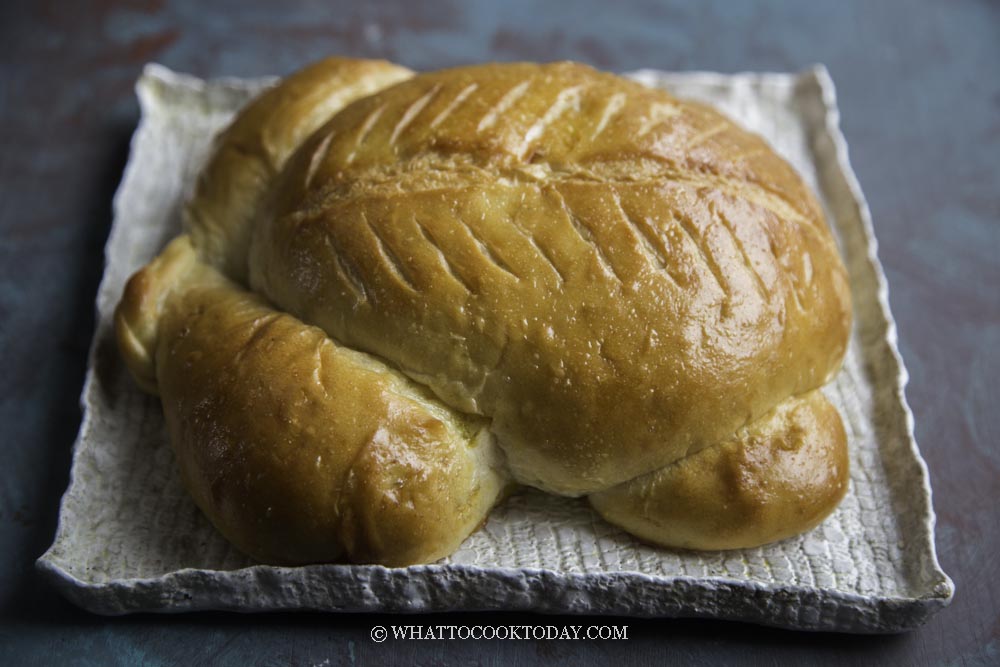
432 282
775 478
300 450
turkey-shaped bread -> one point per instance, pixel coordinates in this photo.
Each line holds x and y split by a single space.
397 295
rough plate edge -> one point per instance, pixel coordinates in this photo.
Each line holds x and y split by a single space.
503 589
793 607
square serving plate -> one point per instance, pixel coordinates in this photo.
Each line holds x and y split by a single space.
130 539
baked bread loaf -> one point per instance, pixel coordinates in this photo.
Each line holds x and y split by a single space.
399 293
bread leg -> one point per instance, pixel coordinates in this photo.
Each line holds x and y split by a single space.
300 450
780 476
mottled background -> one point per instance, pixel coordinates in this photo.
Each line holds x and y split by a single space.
919 89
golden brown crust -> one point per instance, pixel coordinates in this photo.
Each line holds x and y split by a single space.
532 240
778 477
137 316
254 148
597 277
300 450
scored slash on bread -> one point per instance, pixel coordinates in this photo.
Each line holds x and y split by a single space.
537 273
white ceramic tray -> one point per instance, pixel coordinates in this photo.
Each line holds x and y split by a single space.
130 539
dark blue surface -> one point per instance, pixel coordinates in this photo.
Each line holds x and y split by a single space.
919 89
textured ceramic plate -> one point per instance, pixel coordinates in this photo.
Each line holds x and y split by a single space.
130 539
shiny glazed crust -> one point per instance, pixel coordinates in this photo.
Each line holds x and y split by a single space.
535 268
300 450
532 240
777 477
250 153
